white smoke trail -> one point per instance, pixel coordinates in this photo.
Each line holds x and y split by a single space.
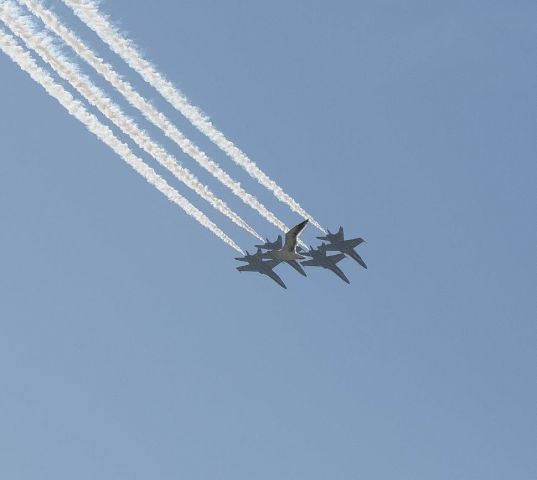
23 59
41 43
52 22
89 13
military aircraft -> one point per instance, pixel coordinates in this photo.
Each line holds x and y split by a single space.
277 245
257 264
337 243
287 252
268 245
319 258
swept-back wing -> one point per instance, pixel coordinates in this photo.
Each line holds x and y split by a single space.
311 263
297 267
247 268
357 258
276 278
336 258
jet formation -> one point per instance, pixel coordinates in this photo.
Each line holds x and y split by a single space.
271 254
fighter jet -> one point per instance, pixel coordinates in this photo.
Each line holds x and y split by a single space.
268 245
319 258
256 264
337 243
277 245
287 252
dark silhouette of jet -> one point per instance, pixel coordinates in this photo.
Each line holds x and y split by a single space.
337 243
277 245
257 264
268 245
319 258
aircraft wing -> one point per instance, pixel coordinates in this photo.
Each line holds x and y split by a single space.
339 273
333 247
276 278
311 263
336 258
357 258
247 268
270 264
297 267
354 242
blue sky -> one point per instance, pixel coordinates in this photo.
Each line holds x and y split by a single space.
130 347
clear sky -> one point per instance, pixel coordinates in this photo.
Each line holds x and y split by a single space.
131 348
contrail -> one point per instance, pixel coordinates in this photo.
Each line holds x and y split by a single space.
52 22
41 44
24 60
89 13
